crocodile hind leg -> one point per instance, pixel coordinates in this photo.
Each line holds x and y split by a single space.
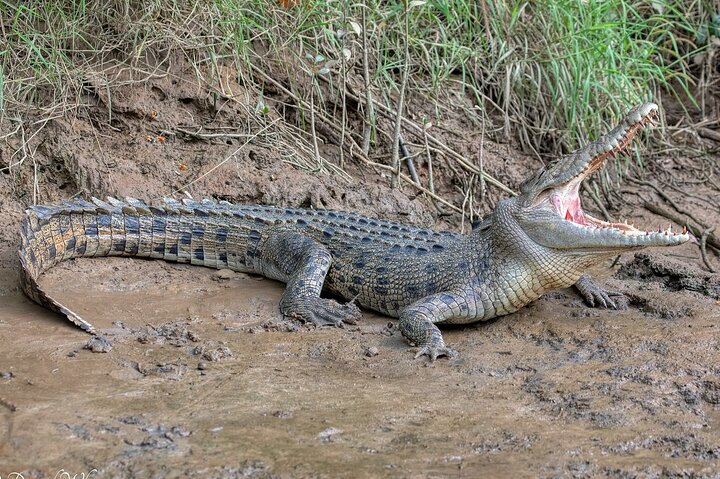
302 263
417 322
595 296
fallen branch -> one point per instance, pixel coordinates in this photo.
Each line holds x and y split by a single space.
209 136
703 248
709 134
408 160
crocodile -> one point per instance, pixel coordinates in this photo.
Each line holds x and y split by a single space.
537 241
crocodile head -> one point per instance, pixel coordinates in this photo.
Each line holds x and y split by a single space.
549 210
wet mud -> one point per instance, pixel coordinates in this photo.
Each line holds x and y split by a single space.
203 376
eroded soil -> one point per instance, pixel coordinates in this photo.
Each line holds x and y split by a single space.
198 375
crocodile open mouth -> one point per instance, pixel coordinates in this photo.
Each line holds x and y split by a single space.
565 198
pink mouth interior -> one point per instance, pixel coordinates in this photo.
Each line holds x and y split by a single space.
567 203
565 199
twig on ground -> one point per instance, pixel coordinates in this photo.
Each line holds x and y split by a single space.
708 133
209 136
17 128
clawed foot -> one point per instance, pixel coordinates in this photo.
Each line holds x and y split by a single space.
433 351
595 296
603 299
321 312
423 333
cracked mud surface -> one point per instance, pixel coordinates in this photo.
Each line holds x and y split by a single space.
196 373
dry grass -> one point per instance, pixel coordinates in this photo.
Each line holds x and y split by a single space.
553 73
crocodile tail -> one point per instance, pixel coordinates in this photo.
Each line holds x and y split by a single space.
39 251
184 232
77 228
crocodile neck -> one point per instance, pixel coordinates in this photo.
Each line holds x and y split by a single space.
513 266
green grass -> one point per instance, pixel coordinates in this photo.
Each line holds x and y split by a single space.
569 64
556 71
559 71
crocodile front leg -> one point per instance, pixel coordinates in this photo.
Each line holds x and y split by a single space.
417 322
302 263
595 296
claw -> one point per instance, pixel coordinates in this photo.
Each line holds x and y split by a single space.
597 297
321 312
433 352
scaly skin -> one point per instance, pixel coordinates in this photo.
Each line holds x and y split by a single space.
536 242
